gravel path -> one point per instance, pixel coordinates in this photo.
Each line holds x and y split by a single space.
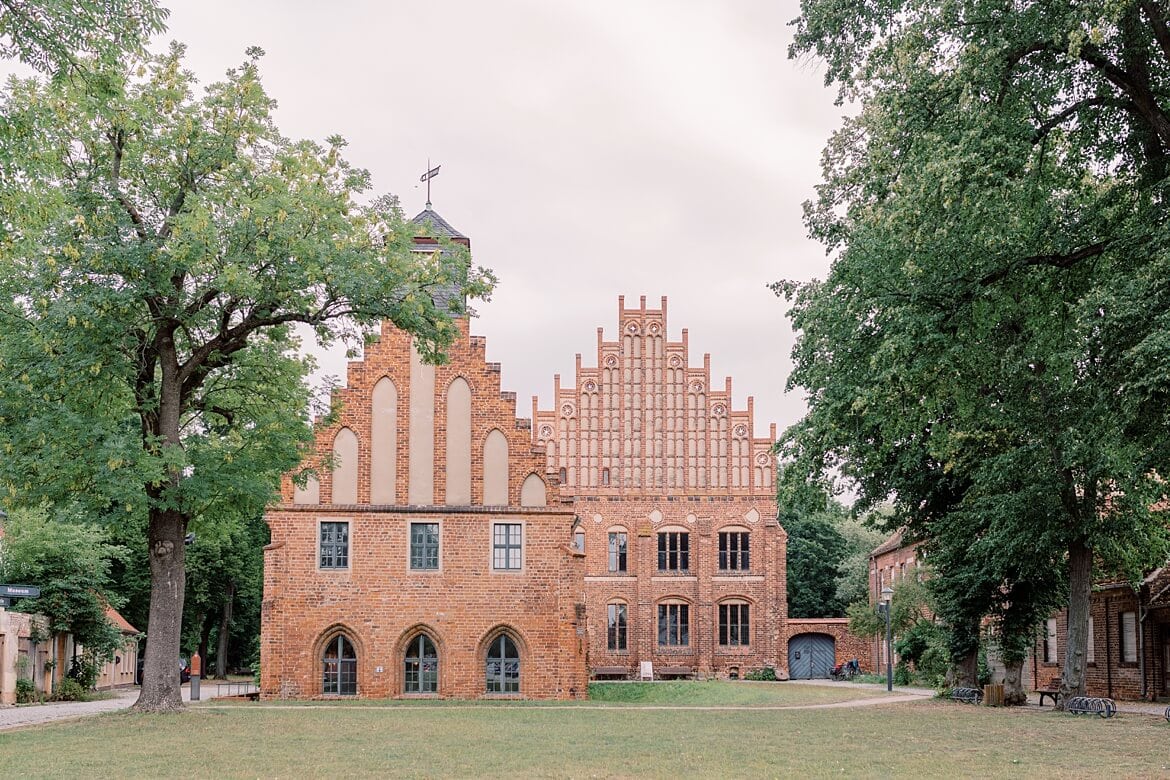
32 714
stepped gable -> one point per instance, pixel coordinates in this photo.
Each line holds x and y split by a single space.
643 420
403 473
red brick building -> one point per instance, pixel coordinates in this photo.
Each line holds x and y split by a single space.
1128 649
684 557
889 563
448 548
430 558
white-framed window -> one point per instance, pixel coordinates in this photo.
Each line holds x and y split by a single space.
1129 653
579 541
424 546
1090 656
507 546
1050 641
333 545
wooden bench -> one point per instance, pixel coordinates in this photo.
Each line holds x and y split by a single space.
674 671
1051 690
610 671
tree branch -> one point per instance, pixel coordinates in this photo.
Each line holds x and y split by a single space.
1145 103
1044 129
117 139
1157 19
1052 261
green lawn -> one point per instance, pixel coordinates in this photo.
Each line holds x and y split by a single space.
927 738
715 693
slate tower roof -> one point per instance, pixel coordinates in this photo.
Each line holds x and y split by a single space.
434 228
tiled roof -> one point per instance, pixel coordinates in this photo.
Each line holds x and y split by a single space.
893 543
435 225
119 622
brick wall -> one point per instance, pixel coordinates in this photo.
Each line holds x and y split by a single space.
1106 673
703 586
846 646
378 602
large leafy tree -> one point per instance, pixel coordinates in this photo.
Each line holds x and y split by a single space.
990 346
158 246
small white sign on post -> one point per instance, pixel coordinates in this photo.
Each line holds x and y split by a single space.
646 671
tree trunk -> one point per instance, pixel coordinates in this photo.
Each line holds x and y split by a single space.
206 623
160 672
965 672
1014 694
1080 581
224 629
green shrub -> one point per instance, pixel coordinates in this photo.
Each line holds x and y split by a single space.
69 690
26 691
767 674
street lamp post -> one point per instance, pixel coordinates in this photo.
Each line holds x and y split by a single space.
884 606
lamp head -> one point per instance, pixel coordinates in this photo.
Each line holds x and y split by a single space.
887 594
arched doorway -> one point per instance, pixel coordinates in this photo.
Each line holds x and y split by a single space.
339 668
421 666
503 666
810 656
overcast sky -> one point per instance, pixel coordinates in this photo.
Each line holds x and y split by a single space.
589 149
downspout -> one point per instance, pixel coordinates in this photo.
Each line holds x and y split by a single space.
1108 653
1035 664
1141 638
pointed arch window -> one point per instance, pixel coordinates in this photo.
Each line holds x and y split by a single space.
503 666
339 668
421 666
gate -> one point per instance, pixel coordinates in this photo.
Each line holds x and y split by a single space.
811 656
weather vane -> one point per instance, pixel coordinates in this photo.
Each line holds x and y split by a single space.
430 174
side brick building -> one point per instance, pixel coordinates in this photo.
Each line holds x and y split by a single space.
676 500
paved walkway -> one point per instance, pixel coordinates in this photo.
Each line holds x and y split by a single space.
33 714
123 698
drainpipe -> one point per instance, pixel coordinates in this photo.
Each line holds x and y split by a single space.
1108 653
1035 665
1141 638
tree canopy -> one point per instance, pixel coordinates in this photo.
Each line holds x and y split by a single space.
989 348
56 36
160 242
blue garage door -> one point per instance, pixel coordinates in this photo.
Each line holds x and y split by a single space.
810 656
